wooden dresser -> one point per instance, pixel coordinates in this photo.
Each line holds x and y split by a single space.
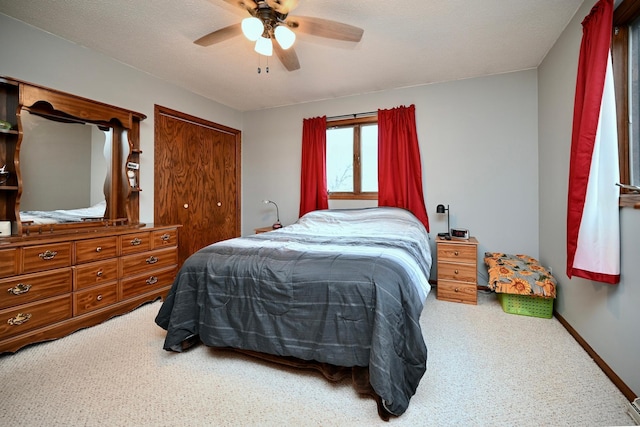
51 286
457 270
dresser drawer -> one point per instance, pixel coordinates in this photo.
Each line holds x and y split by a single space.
16 320
96 249
134 243
95 273
8 262
143 283
456 252
457 272
46 257
457 292
32 287
94 298
163 238
139 263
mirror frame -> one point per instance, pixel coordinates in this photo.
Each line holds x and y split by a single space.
122 199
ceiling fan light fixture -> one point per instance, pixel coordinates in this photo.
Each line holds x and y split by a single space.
252 28
264 46
285 36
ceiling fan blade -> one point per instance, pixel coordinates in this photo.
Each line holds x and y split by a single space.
243 4
288 57
282 6
325 28
219 35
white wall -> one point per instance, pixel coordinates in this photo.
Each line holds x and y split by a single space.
606 316
478 141
29 54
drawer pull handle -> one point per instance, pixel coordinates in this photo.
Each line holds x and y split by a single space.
99 249
152 280
152 260
456 271
99 273
99 298
19 319
165 237
456 253
136 242
19 289
47 255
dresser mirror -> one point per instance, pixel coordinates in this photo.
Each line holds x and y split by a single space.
68 166
63 166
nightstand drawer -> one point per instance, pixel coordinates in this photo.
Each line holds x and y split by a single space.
457 292
457 272
457 252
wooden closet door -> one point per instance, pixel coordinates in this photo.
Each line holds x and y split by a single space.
197 179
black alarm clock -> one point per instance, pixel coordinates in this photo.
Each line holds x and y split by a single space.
460 233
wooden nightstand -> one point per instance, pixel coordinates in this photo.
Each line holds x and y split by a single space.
457 270
263 229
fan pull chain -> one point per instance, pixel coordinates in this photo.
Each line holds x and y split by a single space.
266 68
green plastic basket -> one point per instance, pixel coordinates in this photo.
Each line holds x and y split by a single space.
526 305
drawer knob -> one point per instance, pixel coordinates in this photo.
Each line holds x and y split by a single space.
219 203
99 273
99 298
19 289
456 271
152 260
152 280
47 255
136 242
99 249
165 237
457 289
456 253
19 319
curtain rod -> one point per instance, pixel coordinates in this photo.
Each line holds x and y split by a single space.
353 116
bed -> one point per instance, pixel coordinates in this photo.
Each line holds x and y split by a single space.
339 289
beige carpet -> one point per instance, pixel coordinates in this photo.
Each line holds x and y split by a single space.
485 368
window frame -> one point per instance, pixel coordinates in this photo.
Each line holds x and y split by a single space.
623 16
356 123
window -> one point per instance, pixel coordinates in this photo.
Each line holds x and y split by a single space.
352 158
626 66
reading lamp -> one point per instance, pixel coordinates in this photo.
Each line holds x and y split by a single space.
277 224
441 209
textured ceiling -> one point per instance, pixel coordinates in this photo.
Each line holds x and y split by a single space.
405 43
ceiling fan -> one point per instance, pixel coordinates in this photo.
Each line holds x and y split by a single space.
271 27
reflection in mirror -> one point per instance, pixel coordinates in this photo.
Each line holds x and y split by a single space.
63 170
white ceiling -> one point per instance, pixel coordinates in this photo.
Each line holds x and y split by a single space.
405 43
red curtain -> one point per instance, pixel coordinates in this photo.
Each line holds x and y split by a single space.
399 168
593 234
313 181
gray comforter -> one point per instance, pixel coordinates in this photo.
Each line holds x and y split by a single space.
344 287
